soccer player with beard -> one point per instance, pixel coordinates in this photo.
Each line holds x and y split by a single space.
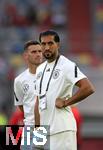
56 78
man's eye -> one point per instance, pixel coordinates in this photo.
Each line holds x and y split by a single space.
43 44
50 43
33 52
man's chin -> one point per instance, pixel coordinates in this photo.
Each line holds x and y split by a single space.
48 56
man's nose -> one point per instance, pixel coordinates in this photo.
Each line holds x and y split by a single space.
38 53
46 47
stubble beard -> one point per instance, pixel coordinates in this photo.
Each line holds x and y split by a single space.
49 56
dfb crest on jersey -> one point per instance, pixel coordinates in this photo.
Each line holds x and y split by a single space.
26 87
56 74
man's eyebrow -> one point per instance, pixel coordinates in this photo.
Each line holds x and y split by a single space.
50 42
36 50
47 42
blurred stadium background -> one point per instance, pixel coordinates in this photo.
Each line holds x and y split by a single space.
80 25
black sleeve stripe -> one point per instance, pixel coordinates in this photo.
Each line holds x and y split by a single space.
16 97
76 73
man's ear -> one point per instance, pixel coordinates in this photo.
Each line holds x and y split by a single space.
58 44
25 56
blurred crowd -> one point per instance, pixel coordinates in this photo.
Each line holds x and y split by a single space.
21 21
25 13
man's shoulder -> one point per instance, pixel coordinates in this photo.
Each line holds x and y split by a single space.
21 76
66 61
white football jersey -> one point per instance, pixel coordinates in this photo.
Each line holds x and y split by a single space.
24 94
63 79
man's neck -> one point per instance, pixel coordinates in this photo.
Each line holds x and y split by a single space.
53 59
32 69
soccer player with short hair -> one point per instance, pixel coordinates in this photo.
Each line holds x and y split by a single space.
56 78
25 84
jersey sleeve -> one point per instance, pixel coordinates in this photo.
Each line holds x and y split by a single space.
18 93
73 73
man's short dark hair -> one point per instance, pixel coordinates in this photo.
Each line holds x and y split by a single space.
50 32
29 43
